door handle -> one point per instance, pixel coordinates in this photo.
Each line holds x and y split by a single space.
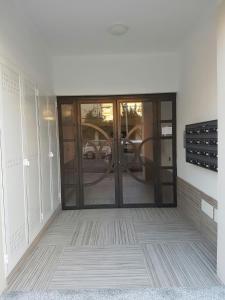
26 162
51 155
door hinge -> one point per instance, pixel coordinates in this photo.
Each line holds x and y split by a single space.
6 259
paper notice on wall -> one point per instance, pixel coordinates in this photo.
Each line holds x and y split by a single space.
167 130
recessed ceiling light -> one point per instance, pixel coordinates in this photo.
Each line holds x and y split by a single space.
118 29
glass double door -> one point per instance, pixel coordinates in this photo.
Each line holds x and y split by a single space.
116 152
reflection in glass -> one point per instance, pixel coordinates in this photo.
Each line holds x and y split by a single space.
69 176
69 184
136 152
146 151
166 110
166 175
67 113
135 192
69 195
48 115
68 132
69 155
166 153
167 194
101 193
97 153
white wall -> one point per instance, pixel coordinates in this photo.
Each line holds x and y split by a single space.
2 278
115 74
26 137
221 117
22 44
23 55
197 98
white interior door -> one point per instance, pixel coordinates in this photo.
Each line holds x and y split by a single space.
13 177
31 157
54 152
46 199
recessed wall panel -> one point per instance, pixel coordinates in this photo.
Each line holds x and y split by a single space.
54 151
31 154
12 155
47 205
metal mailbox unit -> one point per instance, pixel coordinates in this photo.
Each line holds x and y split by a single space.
201 143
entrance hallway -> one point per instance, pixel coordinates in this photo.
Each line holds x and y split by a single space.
118 248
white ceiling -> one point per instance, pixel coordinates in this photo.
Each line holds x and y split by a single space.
81 26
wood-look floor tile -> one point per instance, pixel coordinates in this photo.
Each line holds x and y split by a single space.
104 233
109 267
158 215
109 248
106 214
180 264
60 234
147 232
37 270
66 217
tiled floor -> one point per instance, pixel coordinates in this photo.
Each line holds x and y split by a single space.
144 247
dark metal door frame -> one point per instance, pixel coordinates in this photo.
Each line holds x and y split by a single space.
156 99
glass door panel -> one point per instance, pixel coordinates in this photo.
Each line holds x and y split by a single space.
166 175
97 143
166 152
69 168
166 110
137 152
167 194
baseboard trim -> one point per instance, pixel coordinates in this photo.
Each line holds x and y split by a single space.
189 200
17 267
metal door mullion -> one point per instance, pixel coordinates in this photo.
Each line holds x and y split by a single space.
116 155
158 152
119 158
79 143
61 144
174 147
